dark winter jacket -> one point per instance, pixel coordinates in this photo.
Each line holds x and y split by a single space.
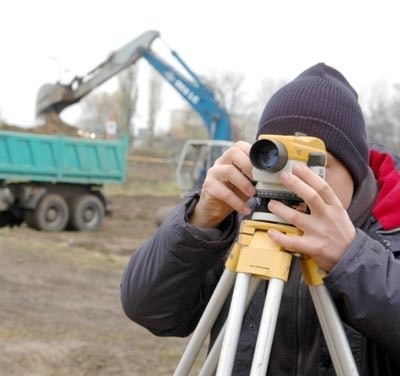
170 278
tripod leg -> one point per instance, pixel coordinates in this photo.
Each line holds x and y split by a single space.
206 322
234 323
211 362
267 327
334 334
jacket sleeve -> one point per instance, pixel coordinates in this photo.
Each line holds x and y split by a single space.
366 286
169 279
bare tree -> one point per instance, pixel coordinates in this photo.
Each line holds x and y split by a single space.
267 88
254 107
187 124
380 125
395 108
127 97
383 116
96 108
154 105
228 90
229 93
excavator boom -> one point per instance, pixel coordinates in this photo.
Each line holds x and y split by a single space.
56 97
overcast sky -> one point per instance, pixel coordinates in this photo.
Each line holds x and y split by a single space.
42 41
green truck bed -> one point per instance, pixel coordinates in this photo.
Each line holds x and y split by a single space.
61 159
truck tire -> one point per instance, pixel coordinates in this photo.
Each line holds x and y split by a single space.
86 213
51 214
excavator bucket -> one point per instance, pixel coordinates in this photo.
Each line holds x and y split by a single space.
56 97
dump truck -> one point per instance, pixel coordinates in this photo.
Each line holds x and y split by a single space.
55 182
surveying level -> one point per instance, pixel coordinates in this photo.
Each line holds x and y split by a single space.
254 257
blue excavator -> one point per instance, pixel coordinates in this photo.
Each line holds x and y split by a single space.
198 154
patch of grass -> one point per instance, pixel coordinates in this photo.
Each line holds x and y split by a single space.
146 177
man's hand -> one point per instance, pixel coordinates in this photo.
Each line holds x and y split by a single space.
327 231
226 188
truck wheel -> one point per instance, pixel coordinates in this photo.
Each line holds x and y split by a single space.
87 213
51 214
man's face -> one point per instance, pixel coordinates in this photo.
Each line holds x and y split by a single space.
340 180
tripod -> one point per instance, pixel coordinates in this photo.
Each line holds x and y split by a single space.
253 257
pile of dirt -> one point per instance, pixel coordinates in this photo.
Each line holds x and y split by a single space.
52 125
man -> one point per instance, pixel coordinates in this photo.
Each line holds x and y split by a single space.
352 231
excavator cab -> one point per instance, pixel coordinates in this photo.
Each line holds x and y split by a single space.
196 158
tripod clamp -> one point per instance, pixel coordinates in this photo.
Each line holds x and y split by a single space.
255 253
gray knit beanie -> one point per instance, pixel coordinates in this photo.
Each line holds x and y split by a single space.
321 103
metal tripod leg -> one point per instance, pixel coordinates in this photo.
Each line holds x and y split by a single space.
331 325
206 322
332 328
211 363
335 337
233 324
267 327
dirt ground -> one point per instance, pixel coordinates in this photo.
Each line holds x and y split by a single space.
60 312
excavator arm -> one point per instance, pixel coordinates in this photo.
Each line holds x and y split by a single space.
56 97
198 95
53 98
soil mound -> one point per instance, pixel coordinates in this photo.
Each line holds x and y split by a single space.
52 125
